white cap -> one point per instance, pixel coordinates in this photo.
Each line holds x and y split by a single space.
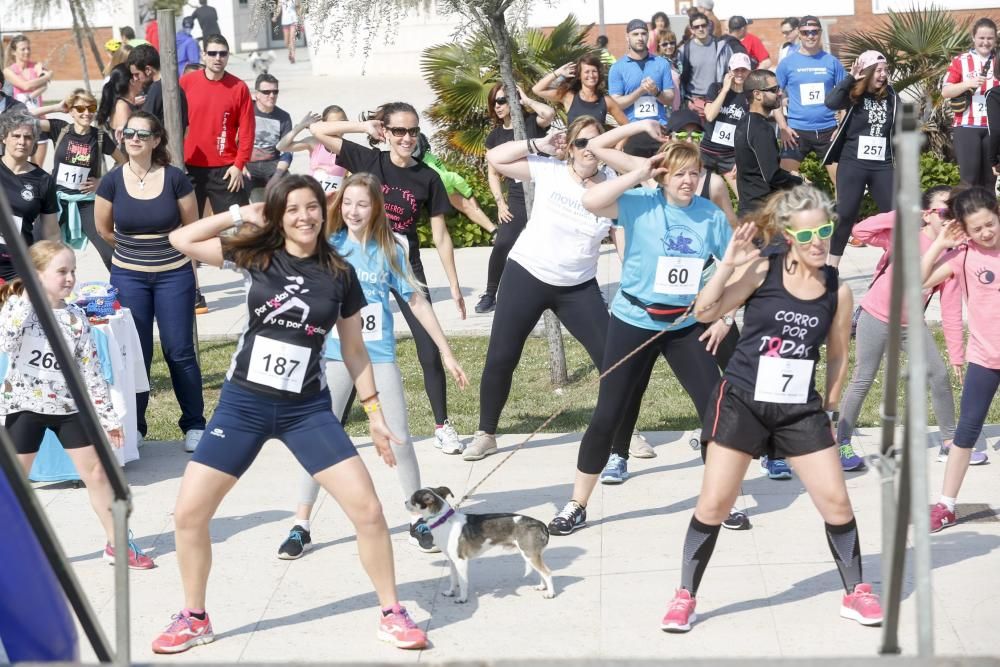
739 60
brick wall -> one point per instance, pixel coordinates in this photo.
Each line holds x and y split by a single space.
769 30
57 49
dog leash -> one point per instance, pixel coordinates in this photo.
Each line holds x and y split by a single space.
468 494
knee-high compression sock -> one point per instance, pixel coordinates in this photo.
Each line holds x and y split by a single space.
846 550
699 543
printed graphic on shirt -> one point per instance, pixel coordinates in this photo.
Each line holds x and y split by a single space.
266 138
401 208
878 115
220 141
281 306
784 372
681 240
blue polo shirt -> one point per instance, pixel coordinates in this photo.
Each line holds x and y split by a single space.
807 80
665 251
626 75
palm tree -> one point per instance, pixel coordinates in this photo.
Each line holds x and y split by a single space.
461 75
918 45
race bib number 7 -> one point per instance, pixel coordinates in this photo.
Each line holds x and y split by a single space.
277 364
783 380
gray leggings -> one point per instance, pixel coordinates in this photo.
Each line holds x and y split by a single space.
390 394
870 344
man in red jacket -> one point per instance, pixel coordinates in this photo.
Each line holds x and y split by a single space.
220 131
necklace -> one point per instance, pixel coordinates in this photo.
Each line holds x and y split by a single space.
141 179
584 179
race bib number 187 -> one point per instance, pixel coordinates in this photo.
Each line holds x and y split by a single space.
279 365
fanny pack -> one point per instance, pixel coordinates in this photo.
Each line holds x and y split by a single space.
658 312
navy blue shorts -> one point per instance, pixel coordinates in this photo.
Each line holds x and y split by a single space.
244 420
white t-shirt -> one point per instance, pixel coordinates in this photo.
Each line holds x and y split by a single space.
288 14
562 240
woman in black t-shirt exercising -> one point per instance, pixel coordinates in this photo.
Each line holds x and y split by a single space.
298 289
410 187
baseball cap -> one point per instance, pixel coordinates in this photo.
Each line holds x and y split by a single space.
739 60
636 24
737 22
809 20
682 117
869 58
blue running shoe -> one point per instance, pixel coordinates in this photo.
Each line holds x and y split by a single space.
849 460
778 469
616 470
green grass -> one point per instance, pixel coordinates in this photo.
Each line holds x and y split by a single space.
665 408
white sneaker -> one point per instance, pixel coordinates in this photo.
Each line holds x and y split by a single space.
446 439
191 440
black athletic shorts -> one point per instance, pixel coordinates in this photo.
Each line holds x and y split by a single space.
737 421
27 430
720 164
810 141
209 183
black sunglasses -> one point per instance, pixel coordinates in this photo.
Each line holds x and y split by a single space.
662 44
808 33
143 135
499 101
581 142
772 89
699 26
268 92
217 54
402 131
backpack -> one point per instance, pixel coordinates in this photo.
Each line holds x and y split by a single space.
737 47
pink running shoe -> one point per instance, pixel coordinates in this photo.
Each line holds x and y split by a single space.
184 632
137 560
400 630
941 517
680 615
862 606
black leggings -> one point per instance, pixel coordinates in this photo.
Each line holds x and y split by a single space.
972 152
435 383
852 177
694 366
89 229
580 308
507 233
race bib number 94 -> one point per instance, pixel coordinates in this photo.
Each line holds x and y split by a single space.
279 365
783 380
724 134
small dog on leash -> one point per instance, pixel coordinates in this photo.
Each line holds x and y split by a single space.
260 61
463 537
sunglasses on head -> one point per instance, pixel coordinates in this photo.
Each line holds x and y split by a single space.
700 26
808 33
692 135
142 135
84 108
217 54
500 101
403 131
273 91
804 236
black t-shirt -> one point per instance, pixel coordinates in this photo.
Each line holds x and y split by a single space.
8 103
869 134
208 19
720 134
271 127
30 195
407 190
154 103
786 331
293 305
75 155
499 135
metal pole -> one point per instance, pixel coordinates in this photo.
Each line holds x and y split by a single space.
908 218
71 373
120 510
602 29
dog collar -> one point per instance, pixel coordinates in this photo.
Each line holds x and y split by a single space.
447 515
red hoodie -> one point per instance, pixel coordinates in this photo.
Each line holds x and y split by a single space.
153 34
222 123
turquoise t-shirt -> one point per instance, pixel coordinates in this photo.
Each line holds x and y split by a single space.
665 251
377 279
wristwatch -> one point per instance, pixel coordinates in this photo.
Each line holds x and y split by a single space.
234 211
728 320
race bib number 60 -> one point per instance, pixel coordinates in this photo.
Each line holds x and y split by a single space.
783 380
678 275
279 365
